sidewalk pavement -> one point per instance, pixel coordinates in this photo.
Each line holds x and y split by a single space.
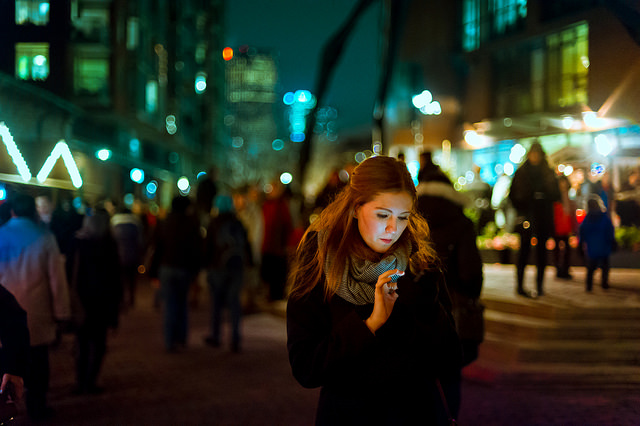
499 283
213 386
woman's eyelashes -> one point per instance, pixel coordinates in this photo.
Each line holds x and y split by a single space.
386 216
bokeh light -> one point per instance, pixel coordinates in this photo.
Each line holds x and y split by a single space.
286 178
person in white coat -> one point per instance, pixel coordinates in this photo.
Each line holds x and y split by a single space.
32 269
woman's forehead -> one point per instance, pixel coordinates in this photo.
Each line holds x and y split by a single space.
395 200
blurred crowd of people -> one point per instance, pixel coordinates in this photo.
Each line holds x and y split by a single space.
77 272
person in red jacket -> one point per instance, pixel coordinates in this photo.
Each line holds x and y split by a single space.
565 225
278 226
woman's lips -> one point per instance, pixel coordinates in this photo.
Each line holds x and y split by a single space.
386 240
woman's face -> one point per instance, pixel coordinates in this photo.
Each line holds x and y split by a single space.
382 220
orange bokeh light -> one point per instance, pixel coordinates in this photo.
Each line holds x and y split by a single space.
227 53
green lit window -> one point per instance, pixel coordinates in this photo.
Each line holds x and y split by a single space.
34 12
568 66
32 61
91 76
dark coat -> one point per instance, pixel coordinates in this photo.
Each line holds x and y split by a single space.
453 235
14 336
177 243
97 282
227 244
387 378
534 189
454 238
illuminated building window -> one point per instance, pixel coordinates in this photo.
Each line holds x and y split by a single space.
91 74
151 96
484 20
507 14
568 66
90 22
32 61
551 73
133 36
470 25
34 12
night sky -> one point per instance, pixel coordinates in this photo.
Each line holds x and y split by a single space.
298 29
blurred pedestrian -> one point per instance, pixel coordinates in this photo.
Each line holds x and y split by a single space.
176 262
454 238
597 241
227 252
533 191
44 207
205 194
65 222
429 171
128 233
249 210
14 352
480 193
377 347
5 212
565 226
330 190
278 226
32 269
97 284
628 200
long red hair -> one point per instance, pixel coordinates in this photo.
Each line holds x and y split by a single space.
341 238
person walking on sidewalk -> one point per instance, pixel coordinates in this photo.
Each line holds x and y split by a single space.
227 251
454 239
32 269
597 237
369 316
565 225
176 262
534 189
97 284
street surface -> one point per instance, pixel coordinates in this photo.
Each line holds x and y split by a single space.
213 386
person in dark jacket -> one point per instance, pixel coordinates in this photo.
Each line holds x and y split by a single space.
597 237
227 251
98 287
14 337
369 316
128 232
534 189
176 262
454 238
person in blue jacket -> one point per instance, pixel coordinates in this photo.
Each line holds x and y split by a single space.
597 240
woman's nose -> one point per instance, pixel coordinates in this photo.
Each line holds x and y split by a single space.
391 225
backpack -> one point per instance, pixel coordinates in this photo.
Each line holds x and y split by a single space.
227 242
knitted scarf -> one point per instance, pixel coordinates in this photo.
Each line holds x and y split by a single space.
359 279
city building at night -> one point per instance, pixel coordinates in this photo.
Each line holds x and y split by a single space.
508 73
108 87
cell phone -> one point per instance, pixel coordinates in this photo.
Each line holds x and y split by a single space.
394 277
